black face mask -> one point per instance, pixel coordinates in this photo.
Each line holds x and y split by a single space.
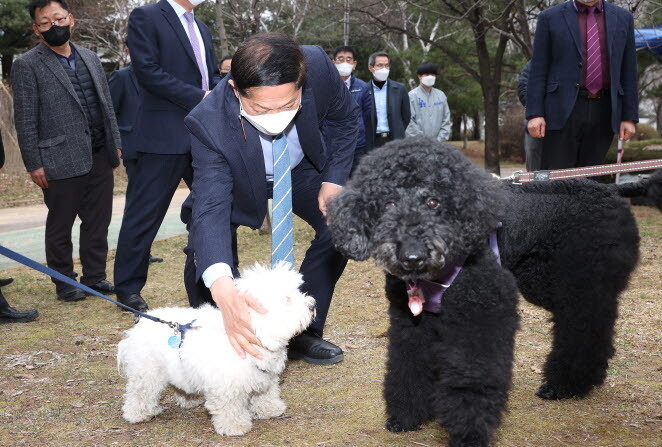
57 35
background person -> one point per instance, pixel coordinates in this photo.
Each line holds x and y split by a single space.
390 113
69 141
430 115
225 65
345 59
289 97
532 146
173 57
583 83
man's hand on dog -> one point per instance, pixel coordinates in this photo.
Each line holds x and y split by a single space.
236 318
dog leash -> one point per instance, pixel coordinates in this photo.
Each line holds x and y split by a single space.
180 329
519 177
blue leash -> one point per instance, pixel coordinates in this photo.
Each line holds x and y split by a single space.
177 327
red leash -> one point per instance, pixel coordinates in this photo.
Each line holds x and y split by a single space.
519 177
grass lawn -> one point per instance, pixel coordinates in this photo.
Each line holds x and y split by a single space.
59 384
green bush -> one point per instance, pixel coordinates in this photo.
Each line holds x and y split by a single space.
634 151
646 132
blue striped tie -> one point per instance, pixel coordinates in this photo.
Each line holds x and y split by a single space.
282 233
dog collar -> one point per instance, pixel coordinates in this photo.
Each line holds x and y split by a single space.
426 295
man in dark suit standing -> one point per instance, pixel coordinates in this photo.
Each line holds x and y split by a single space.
173 58
69 141
583 83
282 106
127 101
391 111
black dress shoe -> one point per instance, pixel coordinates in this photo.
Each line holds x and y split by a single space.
6 282
11 315
153 259
134 301
314 350
70 293
103 286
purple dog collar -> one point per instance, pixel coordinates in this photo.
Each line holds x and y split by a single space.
430 292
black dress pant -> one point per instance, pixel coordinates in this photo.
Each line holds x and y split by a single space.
585 139
89 197
152 183
322 265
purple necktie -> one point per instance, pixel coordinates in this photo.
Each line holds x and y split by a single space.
593 57
193 37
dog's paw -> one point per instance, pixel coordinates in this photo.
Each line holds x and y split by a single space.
267 409
550 392
136 415
395 426
232 429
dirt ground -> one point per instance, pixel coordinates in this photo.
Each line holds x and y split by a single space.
59 384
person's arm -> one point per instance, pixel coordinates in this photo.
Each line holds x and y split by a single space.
212 239
340 128
145 61
26 119
630 108
116 87
366 108
114 129
540 61
523 82
413 128
405 110
445 131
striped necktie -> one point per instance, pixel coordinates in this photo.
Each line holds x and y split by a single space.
282 233
593 56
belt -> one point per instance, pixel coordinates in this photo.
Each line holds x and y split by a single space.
383 134
599 94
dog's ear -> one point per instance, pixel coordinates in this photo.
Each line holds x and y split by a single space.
350 224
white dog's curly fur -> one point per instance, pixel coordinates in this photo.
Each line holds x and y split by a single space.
206 369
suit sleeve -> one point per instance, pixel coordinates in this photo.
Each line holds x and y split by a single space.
405 110
535 95
145 60
116 87
366 108
413 129
26 113
630 110
340 128
210 229
522 83
111 116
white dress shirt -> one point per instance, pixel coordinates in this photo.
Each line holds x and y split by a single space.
179 10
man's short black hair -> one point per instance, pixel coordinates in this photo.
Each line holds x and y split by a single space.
38 4
373 56
427 68
345 49
225 58
268 59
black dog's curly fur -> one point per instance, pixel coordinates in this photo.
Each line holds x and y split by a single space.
568 246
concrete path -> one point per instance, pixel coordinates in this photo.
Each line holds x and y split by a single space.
22 229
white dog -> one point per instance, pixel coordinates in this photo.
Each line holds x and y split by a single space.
205 368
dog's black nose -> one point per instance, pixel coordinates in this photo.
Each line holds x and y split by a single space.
413 261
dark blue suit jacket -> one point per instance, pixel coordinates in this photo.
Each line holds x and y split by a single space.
360 90
397 109
164 63
127 100
556 66
230 187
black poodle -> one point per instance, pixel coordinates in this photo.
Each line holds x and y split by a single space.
431 220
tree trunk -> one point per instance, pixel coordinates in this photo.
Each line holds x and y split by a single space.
491 98
456 127
465 134
225 50
478 125
7 61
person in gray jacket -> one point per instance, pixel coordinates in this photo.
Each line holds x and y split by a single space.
430 115
69 142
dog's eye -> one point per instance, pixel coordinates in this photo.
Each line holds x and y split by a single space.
390 204
433 204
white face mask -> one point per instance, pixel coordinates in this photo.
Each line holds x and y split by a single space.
196 2
428 80
345 69
381 74
270 123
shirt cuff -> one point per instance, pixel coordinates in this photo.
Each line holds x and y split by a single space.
214 272
331 183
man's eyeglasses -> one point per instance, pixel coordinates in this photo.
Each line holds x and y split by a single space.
57 22
344 59
380 66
